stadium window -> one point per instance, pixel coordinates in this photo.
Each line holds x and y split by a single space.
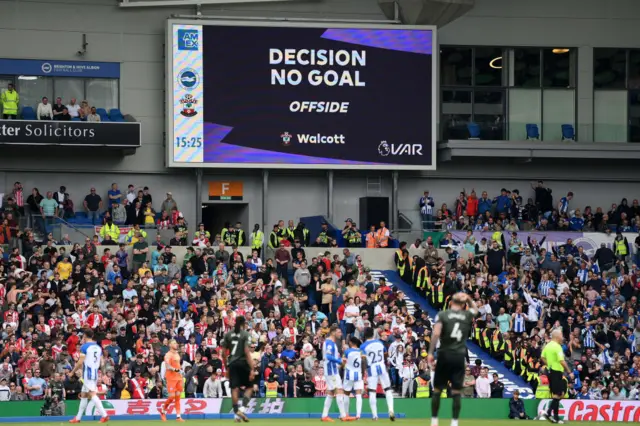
456 65
103 93
488 66
455 114
634 115
526 67
488 113
609 68
32 89
634 70
69 88
559 67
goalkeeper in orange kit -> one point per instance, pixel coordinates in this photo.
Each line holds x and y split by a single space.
175 382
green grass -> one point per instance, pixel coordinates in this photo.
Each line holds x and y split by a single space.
306 422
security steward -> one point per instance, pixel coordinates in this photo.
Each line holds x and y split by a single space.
274 242
257 239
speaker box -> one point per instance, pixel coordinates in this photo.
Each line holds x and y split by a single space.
373 210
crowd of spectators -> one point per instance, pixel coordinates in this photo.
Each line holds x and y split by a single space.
524 291
139 295
508 211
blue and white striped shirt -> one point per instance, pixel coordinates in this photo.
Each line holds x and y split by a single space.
518 324
331 358
545 286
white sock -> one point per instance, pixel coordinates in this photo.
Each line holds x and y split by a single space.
389 395
454 422
358 405
327 406
434 421
90 407
340 400
346 403
99 406
83 407
373 404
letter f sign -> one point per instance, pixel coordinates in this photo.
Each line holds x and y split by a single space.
225 188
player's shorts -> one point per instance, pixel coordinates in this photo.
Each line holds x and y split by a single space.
557 385
334 382
449 368
356 385
175 386
382 378
239 373
89 386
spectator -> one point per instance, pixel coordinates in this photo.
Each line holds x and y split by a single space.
468 384
483 384
84 110
44 110
48 211
93 116
93 206
58 109
497 387
516 407
73 108
169 204
65 116
114 195
10 101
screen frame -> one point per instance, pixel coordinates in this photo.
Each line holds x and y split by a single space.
170 85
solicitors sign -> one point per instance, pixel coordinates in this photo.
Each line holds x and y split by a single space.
75 133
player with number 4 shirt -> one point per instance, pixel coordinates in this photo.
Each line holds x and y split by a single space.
452 329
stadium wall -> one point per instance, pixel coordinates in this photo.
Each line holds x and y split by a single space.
135 38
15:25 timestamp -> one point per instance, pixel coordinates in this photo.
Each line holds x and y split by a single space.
185 142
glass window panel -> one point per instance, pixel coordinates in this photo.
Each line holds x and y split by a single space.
610 115
526 67
488 66
455 66
102 93
32 89
525 107
634 116
634 70
609 68
559 68
69 88
488 113
456 113
558 108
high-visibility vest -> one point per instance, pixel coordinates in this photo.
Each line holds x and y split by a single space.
382 238
273 240
132 234
240 239
112 230
508 352
9 102
497 237
354 238
485 339
495 340
423 278
542 391
223 233
272 390
257 238
402 265
184 387
323 237
371 240
422 388
399 255
436 294
621 247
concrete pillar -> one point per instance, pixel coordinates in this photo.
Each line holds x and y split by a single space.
198 196
394 201
330 196
584 95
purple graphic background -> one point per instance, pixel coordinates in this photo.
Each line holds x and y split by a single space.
410 41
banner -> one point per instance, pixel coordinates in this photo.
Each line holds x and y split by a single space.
293 95
591 410
116 407
589 241
75 133
46 68
124 230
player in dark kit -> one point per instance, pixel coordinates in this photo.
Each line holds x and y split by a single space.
452 329
239 366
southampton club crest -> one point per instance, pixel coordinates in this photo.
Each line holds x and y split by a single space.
286 138
189 103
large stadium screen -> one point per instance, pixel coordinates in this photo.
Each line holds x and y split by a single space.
294 95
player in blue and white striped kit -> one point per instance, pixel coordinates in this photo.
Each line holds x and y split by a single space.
353 374
374 354
90 362
332 362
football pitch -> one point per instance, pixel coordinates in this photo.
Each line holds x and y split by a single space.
301 422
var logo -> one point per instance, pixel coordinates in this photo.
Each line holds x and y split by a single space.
385 149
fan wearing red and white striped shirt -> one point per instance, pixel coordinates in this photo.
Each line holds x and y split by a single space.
191 348
95 319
